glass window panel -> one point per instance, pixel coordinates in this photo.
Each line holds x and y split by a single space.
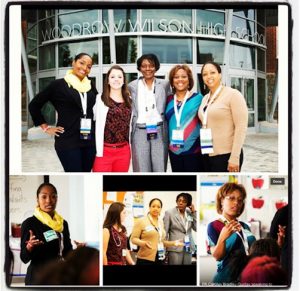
169 50
32 61
63 11
245 13
46 31
210 22
261 16
261 38
261 60
80 23
261 92
47 57
242 57
251 120
67 51
210 50
125 20
236 83
44 13
242 29
126 50
249 93
48 110
167 20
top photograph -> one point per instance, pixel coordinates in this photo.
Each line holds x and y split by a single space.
151 89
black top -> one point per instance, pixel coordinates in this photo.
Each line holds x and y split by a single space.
66 101
42 254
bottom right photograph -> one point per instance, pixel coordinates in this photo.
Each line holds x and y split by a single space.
245 230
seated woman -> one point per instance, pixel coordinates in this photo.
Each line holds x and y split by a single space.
115 251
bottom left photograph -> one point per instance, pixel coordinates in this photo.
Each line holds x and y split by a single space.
53 230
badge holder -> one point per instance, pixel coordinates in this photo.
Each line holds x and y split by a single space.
187 244
151 128
177 138
161 251
50 235
206 141
124 252
85 128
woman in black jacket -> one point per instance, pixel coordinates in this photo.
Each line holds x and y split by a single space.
73 98
45 236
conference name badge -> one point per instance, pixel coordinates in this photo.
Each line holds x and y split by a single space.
177 138
151 129
85 128
206 141
50 235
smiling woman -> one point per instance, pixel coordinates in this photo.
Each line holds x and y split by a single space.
45 236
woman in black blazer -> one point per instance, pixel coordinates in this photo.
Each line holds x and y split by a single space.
45 236
73 98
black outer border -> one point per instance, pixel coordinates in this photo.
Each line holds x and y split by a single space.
137 5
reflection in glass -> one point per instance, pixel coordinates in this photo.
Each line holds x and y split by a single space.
125 20
245 13
261 60
261 16
236 83
167 20
210 50
210 22
48 110
242 29
242 57
261 99
126 50
67 51
45 13
46 31
47 57
249 93
169 50
251 120
80 23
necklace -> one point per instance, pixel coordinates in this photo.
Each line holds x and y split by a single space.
116 237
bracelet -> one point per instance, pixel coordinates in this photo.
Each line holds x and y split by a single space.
46 128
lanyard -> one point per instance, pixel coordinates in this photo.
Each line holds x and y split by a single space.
158 229
113 232
61 244
210 100
178 113
83 98
150 97
243 238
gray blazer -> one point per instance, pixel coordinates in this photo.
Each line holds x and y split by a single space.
175 227
162 90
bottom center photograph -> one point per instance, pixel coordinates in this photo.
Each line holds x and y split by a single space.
149 230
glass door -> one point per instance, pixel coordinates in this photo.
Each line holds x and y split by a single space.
246 86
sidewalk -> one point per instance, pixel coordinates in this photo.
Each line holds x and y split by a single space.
260 154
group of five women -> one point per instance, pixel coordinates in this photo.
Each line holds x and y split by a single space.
145 121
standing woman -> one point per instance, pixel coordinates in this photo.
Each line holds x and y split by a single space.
149 234
224 116
227 235
45 236
179 223
184 125
73 98
112 114
149 129
115 251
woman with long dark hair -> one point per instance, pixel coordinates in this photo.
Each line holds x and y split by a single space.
112 114
115 251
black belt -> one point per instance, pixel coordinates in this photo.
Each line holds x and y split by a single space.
143 125
116 146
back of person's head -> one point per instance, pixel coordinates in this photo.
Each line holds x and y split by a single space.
80 267
265 271
265 247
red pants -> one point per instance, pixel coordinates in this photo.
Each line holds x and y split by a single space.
116 158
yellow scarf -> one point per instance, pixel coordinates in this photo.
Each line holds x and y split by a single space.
56 223
74 81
